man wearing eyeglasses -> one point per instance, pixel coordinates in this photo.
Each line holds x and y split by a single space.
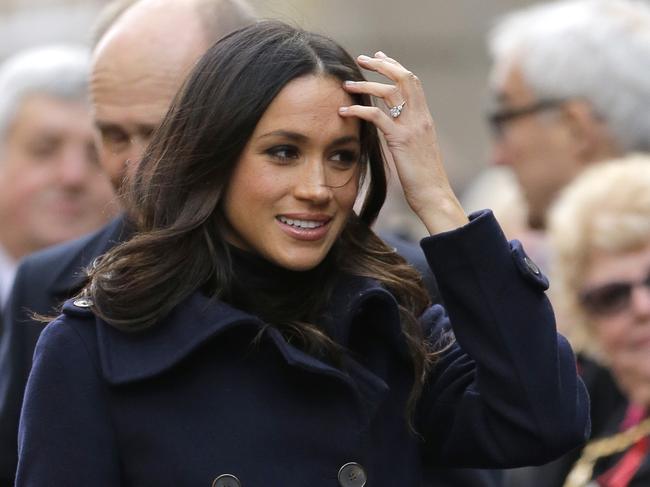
570 88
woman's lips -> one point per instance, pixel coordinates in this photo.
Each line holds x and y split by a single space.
303 227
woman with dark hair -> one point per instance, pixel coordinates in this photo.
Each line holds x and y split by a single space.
254 331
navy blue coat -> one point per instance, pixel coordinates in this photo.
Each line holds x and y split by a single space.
47 278
193 398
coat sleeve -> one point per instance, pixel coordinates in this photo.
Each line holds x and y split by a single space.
65 434
506 393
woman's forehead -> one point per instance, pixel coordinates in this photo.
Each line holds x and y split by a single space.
309 105
604 265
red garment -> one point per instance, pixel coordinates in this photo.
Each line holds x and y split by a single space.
624 470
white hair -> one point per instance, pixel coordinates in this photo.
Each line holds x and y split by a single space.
61 71
596 50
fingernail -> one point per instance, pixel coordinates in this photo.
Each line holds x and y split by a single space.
380 54
343 109
350 82
363 57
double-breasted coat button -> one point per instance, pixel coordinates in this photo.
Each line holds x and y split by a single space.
83 302
352 475
226 480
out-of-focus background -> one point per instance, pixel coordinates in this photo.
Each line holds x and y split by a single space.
442 41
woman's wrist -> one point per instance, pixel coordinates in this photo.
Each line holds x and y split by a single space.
440 214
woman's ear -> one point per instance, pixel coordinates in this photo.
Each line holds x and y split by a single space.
362 191
591 138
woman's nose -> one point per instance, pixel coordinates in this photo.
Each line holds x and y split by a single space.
311 183
74 168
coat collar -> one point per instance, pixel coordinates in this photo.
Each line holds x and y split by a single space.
68 276
129 357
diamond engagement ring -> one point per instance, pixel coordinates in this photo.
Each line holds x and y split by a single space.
396 111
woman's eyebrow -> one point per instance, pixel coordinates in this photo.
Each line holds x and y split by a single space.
298 137
346 139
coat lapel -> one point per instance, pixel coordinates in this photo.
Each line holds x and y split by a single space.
130 357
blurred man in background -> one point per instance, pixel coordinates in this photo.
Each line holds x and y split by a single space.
570 88
52 188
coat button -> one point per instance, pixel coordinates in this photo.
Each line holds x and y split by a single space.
352 475
83 302
226 480
532 266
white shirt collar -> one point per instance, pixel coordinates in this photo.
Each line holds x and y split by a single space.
8 267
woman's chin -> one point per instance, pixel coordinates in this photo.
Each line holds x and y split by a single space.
299 261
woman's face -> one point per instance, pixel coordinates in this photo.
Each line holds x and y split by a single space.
297 179
618 284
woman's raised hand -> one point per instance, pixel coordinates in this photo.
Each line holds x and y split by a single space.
411 139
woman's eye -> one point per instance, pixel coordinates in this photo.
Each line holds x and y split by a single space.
283 153
345 159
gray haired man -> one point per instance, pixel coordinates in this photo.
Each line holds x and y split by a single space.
51 186
571 88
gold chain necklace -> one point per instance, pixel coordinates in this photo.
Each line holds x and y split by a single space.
583 469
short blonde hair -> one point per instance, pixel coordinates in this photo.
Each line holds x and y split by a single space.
606 208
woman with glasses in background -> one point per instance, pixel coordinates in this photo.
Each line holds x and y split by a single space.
600 235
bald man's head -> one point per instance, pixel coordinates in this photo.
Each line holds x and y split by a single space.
140 63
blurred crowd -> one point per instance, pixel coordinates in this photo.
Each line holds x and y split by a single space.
570 179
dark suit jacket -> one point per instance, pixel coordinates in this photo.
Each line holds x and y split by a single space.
43 282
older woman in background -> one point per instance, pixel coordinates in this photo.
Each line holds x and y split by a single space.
600 233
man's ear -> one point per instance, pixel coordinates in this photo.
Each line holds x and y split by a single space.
592 140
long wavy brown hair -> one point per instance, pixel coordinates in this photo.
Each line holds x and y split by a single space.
176 194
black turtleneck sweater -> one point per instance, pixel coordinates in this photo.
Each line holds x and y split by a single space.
278 295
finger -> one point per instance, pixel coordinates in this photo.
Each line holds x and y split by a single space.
389 93
370 114
382 55
383 66
407 82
